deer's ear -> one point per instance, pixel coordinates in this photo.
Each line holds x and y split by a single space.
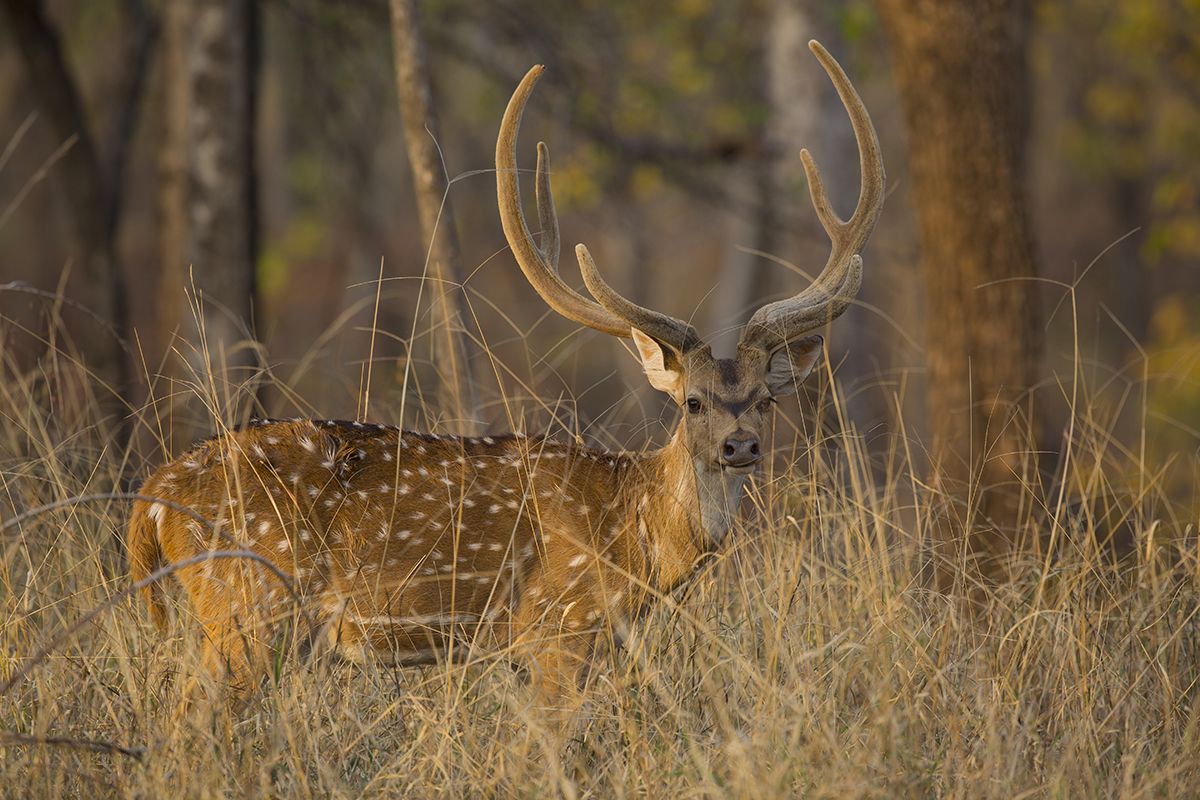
791 364
662 365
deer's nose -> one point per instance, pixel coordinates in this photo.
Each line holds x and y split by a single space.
741 450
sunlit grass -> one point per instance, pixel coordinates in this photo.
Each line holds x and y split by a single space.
810 659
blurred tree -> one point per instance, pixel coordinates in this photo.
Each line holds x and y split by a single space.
206 193
960 71
92 183
450 356
1132 129
804 111
655 97
661 100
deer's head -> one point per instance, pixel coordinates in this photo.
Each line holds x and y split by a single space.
724 400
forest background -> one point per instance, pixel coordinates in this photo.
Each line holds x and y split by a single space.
212 209
674 129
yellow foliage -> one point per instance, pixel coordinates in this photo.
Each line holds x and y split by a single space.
1170 321
688 77
647 181
575 184
1173 389
692 9
305 237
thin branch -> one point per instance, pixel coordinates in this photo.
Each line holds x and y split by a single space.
91 745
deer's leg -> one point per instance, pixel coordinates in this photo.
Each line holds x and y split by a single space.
233 655
556 664
235 620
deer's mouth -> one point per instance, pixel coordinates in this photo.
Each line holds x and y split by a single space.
740 469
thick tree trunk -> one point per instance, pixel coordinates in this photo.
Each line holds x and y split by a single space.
960 70
207 193
451 351
89 191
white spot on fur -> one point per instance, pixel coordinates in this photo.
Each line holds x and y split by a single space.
158 513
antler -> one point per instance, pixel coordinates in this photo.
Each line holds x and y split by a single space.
540 264
614 314
831 293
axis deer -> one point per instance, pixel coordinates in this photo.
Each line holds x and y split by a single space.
415 548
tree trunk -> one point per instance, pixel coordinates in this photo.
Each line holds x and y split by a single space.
806 112
89 191
960 70
207 192
451 354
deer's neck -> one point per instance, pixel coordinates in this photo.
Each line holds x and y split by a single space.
684 513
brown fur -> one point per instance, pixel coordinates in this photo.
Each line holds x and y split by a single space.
415 547
411 546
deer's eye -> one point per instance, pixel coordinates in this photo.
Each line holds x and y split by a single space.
765 405
693 405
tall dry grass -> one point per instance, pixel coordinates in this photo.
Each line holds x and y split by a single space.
808 660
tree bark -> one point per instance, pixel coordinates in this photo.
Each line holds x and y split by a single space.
89 191
451 351
960 70
207 191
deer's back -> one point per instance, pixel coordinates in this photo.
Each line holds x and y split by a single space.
398 539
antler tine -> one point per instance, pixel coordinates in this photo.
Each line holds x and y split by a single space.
540 264
668 330
833 291
550 247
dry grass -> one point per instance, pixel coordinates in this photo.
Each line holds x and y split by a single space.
808 661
